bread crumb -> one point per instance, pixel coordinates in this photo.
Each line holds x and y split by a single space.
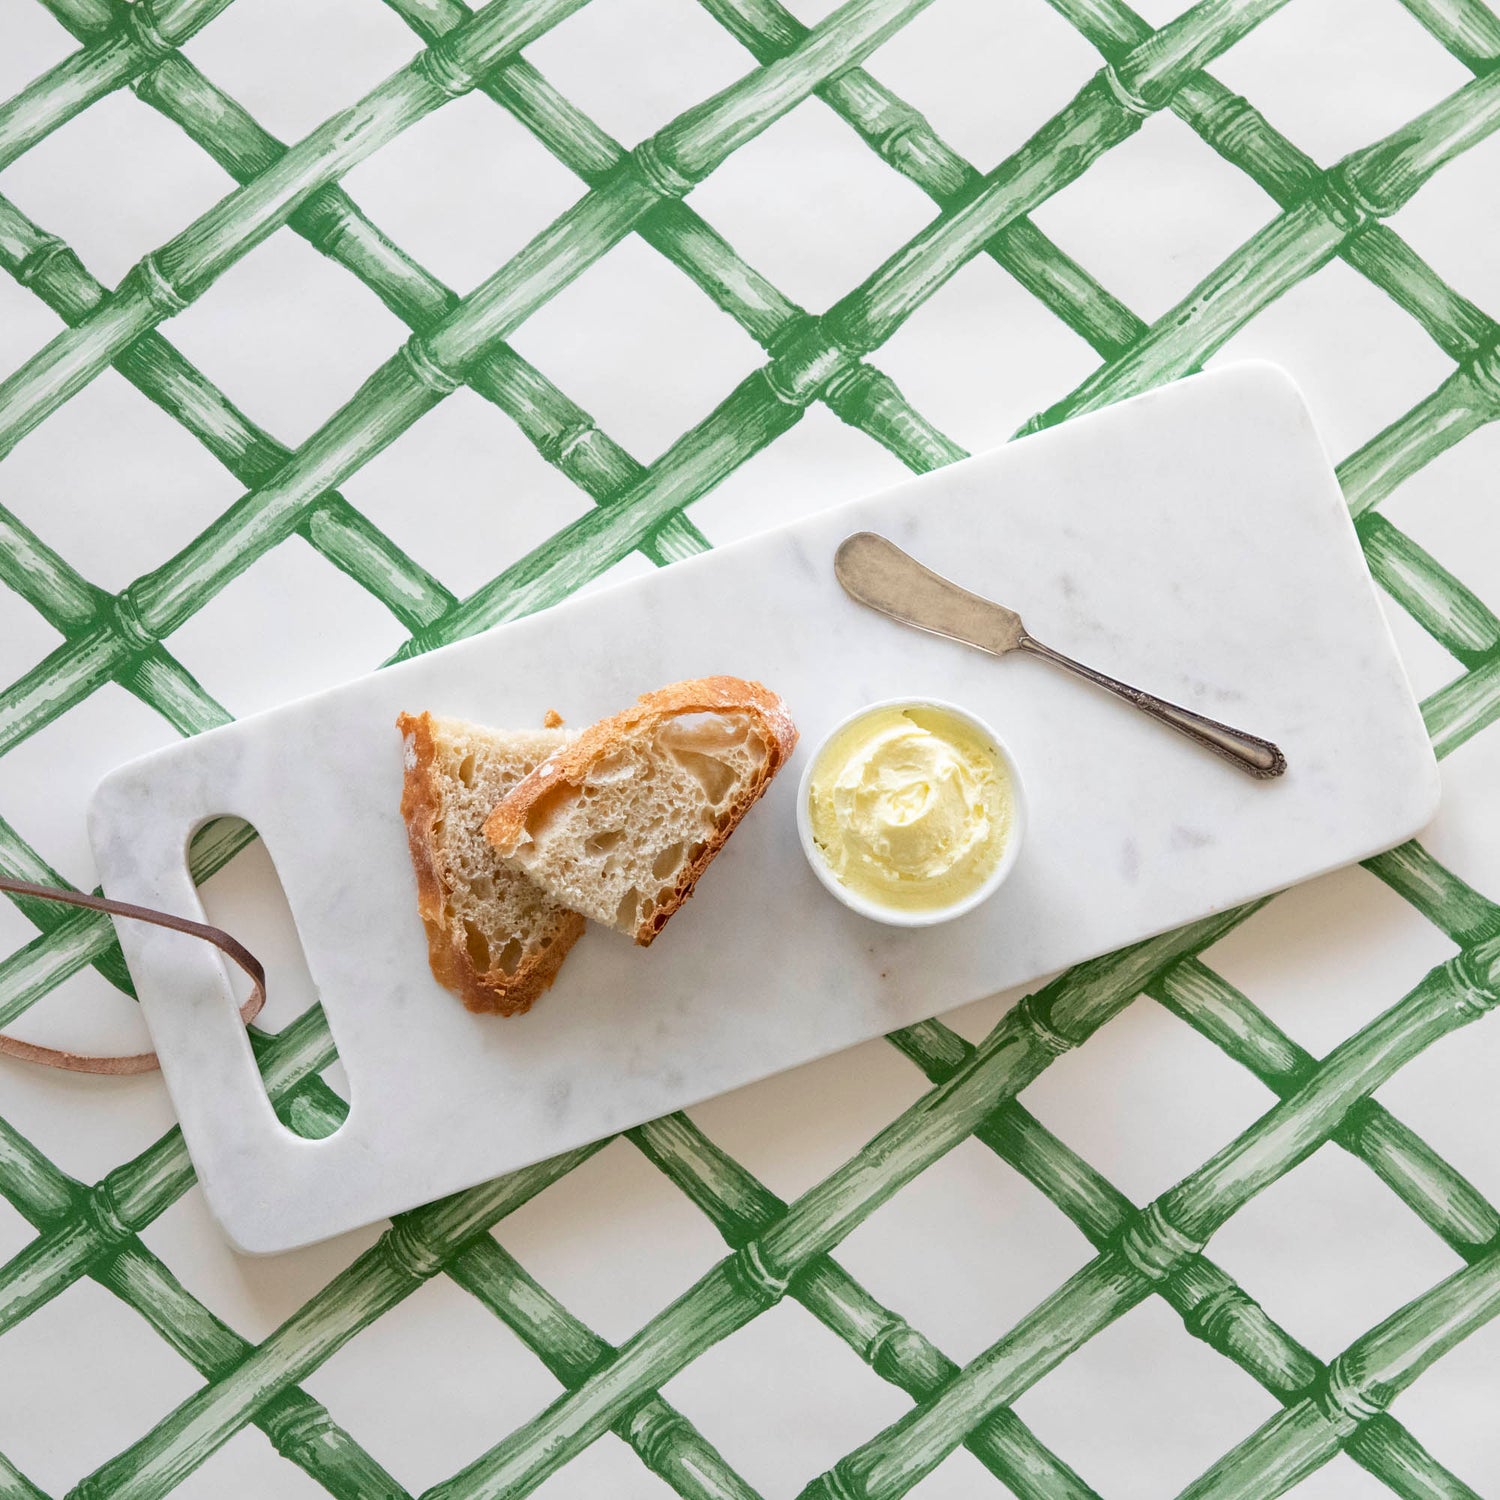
552 719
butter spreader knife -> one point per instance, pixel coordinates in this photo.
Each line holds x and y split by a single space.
875 572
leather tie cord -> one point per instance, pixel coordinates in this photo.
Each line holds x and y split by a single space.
139 1062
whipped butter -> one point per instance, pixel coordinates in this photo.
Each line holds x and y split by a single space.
910 807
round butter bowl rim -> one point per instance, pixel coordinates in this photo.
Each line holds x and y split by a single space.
930 917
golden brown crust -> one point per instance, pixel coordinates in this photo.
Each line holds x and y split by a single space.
494 992
571 764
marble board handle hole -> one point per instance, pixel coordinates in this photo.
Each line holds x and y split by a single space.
244 895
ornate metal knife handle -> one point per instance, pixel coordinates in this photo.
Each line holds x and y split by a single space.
1247 751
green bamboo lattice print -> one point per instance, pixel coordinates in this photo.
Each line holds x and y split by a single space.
775 1249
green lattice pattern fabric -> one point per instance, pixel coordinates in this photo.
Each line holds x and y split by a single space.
776 1250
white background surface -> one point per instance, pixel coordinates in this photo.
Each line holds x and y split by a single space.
116 487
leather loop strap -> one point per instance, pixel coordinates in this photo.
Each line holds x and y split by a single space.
139 1062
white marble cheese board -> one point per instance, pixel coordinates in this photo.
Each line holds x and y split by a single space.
1193 541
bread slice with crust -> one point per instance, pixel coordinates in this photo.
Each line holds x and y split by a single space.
493 937
622 822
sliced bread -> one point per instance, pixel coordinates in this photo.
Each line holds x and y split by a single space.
493 937
620 823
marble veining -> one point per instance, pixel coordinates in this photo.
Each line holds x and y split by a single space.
1192 540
